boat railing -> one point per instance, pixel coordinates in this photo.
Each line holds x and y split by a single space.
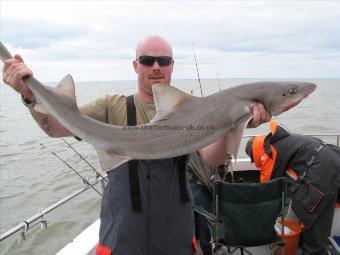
328 137
39 217
337 137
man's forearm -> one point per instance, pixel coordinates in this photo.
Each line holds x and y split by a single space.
49 124
216 153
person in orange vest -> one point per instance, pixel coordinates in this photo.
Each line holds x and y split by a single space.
312 169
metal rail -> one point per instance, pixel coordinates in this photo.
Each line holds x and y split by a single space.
32 221
327 135
336 136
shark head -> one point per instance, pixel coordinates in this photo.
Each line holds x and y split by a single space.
287 95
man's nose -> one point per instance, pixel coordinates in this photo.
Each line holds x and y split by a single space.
156 66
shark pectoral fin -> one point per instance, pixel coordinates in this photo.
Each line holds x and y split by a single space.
167 98
39 107
234 136
108 161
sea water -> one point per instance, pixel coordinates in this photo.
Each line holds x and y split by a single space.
31 179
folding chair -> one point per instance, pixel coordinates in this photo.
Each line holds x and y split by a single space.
245 215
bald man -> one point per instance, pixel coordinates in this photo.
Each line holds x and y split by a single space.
147 206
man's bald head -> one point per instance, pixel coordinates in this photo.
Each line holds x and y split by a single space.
154 45
153 72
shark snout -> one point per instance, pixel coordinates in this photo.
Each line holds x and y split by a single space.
308 88
297 92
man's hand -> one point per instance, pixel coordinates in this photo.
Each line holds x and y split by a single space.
260 116
14 72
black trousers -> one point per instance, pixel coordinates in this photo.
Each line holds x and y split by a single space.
314 240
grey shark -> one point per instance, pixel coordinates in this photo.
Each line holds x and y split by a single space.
183 123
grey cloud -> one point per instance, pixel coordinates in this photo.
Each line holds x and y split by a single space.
249 31
37 33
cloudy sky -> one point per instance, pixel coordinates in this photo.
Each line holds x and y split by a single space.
96 40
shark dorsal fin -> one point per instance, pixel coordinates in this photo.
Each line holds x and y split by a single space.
167 98
65 88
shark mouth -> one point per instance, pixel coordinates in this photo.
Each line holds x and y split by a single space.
288 107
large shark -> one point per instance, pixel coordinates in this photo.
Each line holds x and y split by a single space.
183 123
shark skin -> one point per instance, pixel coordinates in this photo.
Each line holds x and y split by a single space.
183 123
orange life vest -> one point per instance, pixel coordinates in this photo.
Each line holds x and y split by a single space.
262 160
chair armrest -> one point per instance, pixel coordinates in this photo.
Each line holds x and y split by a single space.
210 216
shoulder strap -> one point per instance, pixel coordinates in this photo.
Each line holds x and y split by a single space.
181 168
131 111
133 166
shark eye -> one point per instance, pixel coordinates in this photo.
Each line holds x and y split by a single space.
292 91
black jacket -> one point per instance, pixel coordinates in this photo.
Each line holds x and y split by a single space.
318 167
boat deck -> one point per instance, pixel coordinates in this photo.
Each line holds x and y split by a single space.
243 170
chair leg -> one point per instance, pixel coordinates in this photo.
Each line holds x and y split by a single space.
242 253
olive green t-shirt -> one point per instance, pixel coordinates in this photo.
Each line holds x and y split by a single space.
112 110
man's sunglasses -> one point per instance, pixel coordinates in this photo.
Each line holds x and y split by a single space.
150 60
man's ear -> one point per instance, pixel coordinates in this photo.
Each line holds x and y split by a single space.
135 66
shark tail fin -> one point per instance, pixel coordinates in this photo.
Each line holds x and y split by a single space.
65 88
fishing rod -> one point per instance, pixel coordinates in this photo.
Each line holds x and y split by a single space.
218 79
228 162
69 166
198 73
88 163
